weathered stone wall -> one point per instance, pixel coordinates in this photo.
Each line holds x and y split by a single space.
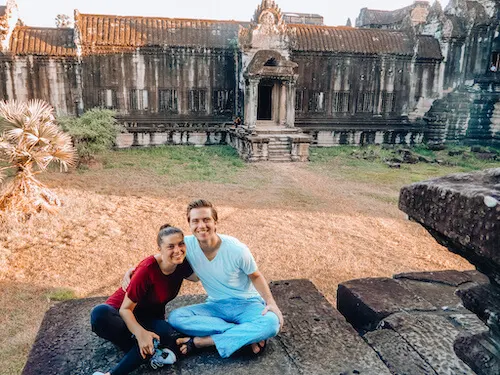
155 69
362 80
328 138
200 136
31 77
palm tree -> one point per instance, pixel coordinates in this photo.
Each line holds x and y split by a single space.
30 140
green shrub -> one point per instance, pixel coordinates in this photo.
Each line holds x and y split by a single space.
95 131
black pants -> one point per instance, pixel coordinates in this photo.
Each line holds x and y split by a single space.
107 323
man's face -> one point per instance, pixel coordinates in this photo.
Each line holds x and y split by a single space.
202 223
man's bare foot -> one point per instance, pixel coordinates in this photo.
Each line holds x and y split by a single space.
258 346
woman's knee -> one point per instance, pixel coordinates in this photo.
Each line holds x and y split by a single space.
99 315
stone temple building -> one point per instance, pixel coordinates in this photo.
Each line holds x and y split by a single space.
285 79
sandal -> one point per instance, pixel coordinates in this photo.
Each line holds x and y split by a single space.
247 350
191 348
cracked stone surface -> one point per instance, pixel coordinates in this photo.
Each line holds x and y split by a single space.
414 320
432 336
398 354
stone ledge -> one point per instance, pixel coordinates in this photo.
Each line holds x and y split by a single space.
413 320
454 210
316 339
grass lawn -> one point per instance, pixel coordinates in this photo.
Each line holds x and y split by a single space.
329 220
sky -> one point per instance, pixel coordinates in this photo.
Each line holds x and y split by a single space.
335 12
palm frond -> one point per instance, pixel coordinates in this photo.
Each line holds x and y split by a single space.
12 115
14 134
38 112
31 140
47 132
65 157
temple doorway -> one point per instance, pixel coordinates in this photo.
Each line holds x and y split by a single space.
265 102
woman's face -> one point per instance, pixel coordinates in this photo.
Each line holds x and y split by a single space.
173 248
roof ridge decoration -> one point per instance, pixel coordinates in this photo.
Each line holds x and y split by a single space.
8 22
269 16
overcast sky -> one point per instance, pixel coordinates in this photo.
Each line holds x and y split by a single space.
335 12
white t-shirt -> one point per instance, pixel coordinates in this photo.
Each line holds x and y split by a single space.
225 276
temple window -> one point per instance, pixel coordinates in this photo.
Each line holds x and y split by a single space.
107 98
495 62
168 100
299 100
197 100
341 101
222 101
139 100
388 102
365 102
317 101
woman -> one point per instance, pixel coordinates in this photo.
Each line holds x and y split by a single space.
135 320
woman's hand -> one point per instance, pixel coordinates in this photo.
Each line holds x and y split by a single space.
145 342
127 277
144 338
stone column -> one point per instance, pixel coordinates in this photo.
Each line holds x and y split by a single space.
282 107
382 87
290 103
251 100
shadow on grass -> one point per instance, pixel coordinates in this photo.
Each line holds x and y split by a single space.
22 307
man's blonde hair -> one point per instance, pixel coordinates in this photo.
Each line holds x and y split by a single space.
201 203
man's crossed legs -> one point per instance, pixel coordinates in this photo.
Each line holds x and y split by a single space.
229 324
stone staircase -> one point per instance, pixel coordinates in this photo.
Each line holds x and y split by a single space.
467 114
272 143
279 149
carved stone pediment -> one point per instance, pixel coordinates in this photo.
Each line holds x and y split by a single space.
267 29
268 63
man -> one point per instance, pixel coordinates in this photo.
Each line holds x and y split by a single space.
240 308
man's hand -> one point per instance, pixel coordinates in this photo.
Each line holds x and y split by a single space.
126 278
145 342
275 309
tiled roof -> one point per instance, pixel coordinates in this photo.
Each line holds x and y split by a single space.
349 40
104 32
428 48
383 17
42 41
364 41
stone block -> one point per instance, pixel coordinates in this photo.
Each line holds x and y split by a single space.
480 352
484 301
441 296
462 211
397 354
317 337
365 302
432 336
468 323
447 277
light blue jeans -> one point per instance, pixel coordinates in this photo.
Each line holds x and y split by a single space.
232 323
